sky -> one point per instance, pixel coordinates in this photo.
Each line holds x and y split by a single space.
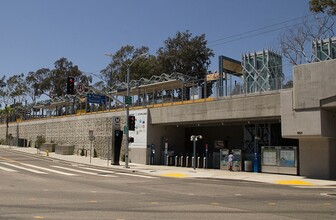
36 33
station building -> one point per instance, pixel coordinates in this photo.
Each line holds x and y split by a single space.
269 128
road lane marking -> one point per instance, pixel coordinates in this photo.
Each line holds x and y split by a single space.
136 175
294 182
98 170
23 168
175 175
7 169
81 171
49 170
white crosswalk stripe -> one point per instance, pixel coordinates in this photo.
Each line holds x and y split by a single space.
49 170
98 170
23 168
7 169
62 170
81 171
137 175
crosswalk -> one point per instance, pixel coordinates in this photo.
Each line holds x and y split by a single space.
17 167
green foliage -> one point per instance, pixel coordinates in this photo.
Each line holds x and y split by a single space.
322 6
39 141
53 82
185 54
141 67
82 151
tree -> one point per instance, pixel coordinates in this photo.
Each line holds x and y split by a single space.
322 6
52 83
17 88
58 77
7 111
185 54
2 88
116 71
295 42
38 83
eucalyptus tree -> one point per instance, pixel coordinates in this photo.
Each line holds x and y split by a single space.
57 78
38 83
143 67
17 88
7 112
52 83
2 89
185 54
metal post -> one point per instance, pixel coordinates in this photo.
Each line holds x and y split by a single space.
127 114
194 157
90 151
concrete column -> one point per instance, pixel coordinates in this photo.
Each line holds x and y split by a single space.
318 157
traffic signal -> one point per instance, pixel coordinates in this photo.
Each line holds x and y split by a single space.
71 85
131 122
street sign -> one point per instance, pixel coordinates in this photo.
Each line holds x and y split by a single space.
125 129
91 137
117 120
80 88
128 100
95 98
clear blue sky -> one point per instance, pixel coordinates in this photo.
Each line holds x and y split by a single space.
36 33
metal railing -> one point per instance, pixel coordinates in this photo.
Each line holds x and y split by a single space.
196 91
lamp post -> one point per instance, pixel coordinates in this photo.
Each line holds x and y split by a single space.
127 108
127 105
195 138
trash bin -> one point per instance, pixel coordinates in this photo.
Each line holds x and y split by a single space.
248 166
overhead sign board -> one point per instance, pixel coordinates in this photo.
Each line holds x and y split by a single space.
95 98
229 65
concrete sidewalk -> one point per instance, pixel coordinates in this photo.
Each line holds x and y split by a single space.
184 172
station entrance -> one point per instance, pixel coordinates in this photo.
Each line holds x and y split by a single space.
245 139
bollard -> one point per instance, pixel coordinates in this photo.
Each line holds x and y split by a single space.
199 162
192 163
205 162
176 161
47 153
167 161
187 161
182 161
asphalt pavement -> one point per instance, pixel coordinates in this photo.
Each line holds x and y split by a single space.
184 172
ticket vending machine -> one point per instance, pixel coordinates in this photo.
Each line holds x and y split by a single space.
223 158
237 159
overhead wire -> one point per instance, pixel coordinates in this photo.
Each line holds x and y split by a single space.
243 34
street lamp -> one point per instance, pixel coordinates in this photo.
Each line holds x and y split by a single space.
127 108
195 138
127 105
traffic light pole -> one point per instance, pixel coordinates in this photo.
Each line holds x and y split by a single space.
127 122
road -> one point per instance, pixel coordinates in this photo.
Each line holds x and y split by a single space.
40 188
